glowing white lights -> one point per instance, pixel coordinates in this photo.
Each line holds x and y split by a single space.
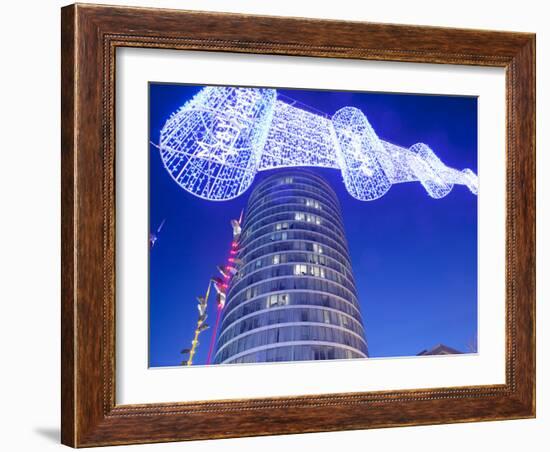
215 143
212 146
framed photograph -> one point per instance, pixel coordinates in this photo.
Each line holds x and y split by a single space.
281 225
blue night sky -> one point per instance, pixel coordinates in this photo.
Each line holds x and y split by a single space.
414 258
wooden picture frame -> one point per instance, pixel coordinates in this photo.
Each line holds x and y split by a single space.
90 36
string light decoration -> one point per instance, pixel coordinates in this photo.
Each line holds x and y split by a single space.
214 145
200 327
220 285
227 272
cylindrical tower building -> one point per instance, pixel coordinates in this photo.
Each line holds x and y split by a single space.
294 296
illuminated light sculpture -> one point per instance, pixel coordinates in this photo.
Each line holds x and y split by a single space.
366 165
214 145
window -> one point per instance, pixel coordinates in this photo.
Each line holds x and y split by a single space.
317 271
281 299
319 354
276 259
313 203
278 236
313 219
317 248
251 292
299 216
300 269
280 226
258 263
271 301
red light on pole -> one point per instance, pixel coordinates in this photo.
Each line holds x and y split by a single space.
221 285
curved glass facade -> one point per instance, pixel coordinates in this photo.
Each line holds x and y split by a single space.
294 296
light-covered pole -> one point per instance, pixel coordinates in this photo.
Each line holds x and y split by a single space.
201 326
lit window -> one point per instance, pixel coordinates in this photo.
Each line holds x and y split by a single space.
317 248
284 236
278 300
300 269
313 219
313 203
299 216
276 259
317 271
283 299
271 301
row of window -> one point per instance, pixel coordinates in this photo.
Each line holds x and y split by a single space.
290 334
327 215
294 234
294 283
290 224
289 315
284 334
309 192
317 257
232 314
282 217
299 270
313 237
298 216
267 187
296 353
292 196
296 245
290 203
291 179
